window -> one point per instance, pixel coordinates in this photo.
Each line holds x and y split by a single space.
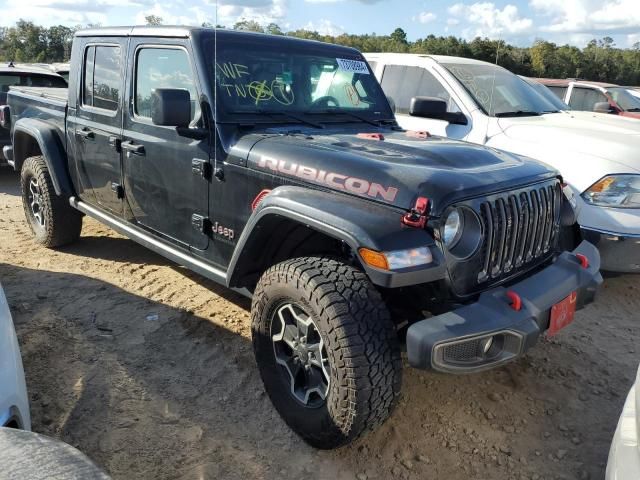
585 98
559 91
29 80
163 68
401 83
102 77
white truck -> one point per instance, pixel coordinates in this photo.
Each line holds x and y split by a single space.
483 103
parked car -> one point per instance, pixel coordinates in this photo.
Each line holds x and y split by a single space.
11 75
14 403
595 96
61 69
304 193
624 455
483 103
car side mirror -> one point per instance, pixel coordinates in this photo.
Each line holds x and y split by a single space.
171 107
603 107
436 108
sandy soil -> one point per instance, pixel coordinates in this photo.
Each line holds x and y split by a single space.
148 369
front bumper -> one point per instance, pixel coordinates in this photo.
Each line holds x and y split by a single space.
453 342
624 455
619 252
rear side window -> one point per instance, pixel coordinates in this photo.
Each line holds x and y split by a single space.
402 83
559 92
102 77
29 80
585 98
162 68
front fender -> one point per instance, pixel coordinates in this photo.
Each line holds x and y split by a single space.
30 131
356 222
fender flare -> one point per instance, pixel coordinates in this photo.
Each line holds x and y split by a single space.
50 144
355 222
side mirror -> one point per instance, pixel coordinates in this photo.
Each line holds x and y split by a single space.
5 117
436 108
171 107
603 107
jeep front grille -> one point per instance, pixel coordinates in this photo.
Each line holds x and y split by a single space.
519 229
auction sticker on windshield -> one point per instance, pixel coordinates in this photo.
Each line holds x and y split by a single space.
355 66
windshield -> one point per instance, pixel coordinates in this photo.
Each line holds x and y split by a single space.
547 94
29 80
265 78
499 92
624 99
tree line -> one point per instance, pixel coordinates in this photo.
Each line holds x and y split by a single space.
601 60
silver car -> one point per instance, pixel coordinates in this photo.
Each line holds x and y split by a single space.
14 403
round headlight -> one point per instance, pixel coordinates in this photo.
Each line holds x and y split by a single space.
452 229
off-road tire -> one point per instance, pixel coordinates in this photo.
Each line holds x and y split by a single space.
62 222
365 367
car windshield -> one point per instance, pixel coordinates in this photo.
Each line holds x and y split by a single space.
547 94
294 82
499 92
29 80
624 99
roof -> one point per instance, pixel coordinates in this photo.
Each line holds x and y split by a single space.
21 68
437 58
565 82
178 31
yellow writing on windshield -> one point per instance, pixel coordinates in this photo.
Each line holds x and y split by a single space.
234 79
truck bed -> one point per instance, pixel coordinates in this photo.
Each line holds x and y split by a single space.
57 94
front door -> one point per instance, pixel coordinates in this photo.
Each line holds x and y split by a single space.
164 171
98 123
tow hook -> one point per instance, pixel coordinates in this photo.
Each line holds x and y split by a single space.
417 217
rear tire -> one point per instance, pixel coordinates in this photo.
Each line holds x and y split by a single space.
51 219
326 349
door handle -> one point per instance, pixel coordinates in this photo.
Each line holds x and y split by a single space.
132 148
85 133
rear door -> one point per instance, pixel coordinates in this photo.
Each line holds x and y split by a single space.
165 172
98 121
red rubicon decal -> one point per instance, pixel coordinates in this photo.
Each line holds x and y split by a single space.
338 181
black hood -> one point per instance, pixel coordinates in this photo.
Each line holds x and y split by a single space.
394 170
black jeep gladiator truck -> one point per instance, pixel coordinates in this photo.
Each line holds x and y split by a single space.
274 166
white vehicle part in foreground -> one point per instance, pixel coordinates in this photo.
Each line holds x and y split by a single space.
624 455
14 403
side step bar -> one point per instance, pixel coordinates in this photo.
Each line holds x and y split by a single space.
143 238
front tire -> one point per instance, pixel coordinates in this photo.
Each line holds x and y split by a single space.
326 349
51 219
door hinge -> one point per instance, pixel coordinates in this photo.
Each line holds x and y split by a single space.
201 223
117 189
202 168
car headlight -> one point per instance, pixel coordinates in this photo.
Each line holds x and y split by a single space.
619 191
452 230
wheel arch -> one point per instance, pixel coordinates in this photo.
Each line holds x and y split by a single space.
33 137
296 221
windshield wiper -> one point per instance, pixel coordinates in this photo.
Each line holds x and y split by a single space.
291 116
375 123
518 113
634 109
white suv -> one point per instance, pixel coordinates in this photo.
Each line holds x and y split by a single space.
480 102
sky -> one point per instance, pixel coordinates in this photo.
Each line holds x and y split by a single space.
519 22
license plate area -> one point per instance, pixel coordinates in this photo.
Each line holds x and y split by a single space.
562 314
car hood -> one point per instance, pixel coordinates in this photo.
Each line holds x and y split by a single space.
395 170
614 139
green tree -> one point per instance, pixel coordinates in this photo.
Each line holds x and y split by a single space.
249 25
153 20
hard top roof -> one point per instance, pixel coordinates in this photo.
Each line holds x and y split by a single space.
167 31
437 58
21 68
564 82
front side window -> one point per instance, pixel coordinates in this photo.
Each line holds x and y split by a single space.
102 78
585 99
262 77
163 68
402 83
499 92
559 91
624 99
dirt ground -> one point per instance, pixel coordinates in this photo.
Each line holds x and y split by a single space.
148 369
